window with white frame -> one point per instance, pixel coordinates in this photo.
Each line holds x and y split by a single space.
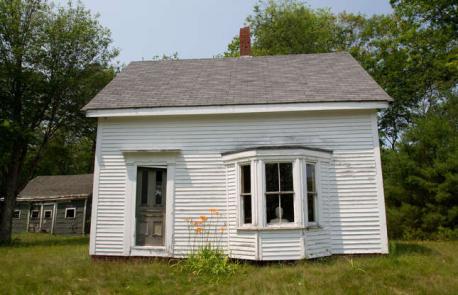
17 214
279 192
245 194
48 214
312 195
35 214
70 212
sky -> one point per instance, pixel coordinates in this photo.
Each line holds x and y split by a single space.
142 29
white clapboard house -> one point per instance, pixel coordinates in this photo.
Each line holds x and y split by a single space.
282 152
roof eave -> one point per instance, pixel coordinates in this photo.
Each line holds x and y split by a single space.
52 198
237 109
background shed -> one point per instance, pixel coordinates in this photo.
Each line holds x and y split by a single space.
59 204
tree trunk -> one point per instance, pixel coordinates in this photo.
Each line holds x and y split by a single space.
12 184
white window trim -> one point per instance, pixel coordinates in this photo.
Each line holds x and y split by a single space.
296 193
317 199
240 211
74 215
44 213
257 160
19 216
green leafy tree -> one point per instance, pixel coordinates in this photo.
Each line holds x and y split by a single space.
421 177
289 27
49 56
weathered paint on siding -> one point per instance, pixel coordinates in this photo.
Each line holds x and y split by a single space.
62 225
351 216
69 226
20 225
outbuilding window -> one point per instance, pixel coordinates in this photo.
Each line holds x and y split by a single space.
17 214
279 193
48 214
35 214
70 212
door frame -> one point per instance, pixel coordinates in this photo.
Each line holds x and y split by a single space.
153 159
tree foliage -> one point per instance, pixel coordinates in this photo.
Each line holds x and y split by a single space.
421 177
53 59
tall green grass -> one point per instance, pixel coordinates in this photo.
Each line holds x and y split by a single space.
44 264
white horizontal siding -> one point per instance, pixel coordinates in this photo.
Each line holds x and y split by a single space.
317 243
282 245
241 244
350 211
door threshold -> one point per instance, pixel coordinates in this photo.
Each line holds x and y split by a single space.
159 251
148 247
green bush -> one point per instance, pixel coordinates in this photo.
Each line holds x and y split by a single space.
210 262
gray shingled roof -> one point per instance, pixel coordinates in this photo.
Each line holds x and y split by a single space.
327 77
57 186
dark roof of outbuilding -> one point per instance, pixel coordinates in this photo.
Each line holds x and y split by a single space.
57 186
326 77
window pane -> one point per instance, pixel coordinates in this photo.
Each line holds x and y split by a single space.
272 177
272 202
287 204
158 197
70 213
311 178
311 207
48 214
246 209
144 185
158 177
16 214
286 177
246 179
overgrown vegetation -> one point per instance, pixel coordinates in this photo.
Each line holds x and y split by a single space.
208 262
44 264
206 257
413 54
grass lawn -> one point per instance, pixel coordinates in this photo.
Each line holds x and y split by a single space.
44 264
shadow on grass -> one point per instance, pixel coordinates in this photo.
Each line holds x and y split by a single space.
39 239
407 248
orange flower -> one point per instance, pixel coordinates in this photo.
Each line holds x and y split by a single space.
203 218
221 229
214 211
199 229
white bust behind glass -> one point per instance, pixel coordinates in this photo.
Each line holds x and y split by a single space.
278 213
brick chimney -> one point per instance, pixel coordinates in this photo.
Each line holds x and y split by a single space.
245 41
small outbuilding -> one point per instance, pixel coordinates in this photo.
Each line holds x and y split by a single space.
58 204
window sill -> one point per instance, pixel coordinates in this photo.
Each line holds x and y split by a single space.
275 228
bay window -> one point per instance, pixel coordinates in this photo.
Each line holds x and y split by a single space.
278 188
